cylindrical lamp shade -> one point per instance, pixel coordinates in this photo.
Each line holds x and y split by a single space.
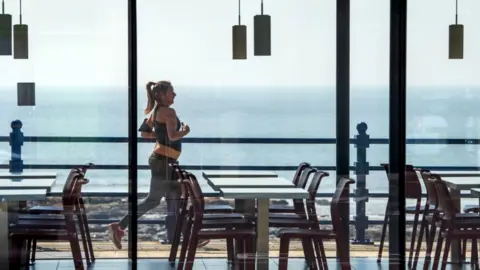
26 94
455 41
5 34
239 41
262 35
20 41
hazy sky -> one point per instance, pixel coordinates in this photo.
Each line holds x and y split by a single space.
189 42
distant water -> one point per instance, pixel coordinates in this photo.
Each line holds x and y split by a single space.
243 112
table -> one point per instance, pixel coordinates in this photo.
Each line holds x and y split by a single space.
238 174
20 187
218 183
262 196
29 174
456 185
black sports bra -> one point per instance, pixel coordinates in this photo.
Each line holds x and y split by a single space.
161 134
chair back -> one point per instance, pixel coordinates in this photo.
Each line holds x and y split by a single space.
302 182
432 198
312 195
413 189
301 167
71 190
445 202
340 196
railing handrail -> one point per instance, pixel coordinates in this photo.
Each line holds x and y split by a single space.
239 140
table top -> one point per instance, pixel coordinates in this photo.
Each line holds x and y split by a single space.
458 173
29 174
238 174
231 182
263 193
95 190
462 183
29 183
475 192
23 194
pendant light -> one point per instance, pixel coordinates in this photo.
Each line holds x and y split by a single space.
262 33
239 37
455 38
20 38
5 32
26 94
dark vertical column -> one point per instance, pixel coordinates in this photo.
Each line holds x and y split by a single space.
343 105
132 132
398 61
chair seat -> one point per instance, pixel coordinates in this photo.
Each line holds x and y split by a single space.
221 234
45 208
411 209
223 223
41 217
223 216
33 224
285 215
281 208
218 208
304 233
471 208
279 223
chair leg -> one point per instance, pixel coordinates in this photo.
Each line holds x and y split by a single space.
423 226
76 253
446 251
414 233
192 249
185 243
384 231
309 253
34 250
29 250
89 238
83 212
320 251
230 250
176 238
284 249
250 258
430 240
84 238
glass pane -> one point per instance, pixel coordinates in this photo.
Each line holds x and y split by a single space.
369 104
78 61
290 94
442 100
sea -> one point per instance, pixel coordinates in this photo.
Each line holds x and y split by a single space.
247 112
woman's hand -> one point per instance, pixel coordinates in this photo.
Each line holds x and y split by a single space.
185 128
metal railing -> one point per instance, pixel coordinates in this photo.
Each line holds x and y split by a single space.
361 167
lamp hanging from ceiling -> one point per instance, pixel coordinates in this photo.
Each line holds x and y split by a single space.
239 37
20 38
262 34
455 38
5 32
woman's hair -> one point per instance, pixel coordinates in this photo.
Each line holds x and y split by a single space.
154 93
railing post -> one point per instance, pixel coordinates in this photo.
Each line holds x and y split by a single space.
362 142
16 142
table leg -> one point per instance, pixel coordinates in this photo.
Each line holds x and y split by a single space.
263 234
456 245
5 250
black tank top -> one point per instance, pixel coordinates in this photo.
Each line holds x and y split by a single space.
161 134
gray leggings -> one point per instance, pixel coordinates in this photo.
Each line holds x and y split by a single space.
162 184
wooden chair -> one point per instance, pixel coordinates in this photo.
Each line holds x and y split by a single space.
316 235
52 230
199 228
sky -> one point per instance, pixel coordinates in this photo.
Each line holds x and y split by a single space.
77 43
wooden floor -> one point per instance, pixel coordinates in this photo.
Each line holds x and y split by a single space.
202 264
